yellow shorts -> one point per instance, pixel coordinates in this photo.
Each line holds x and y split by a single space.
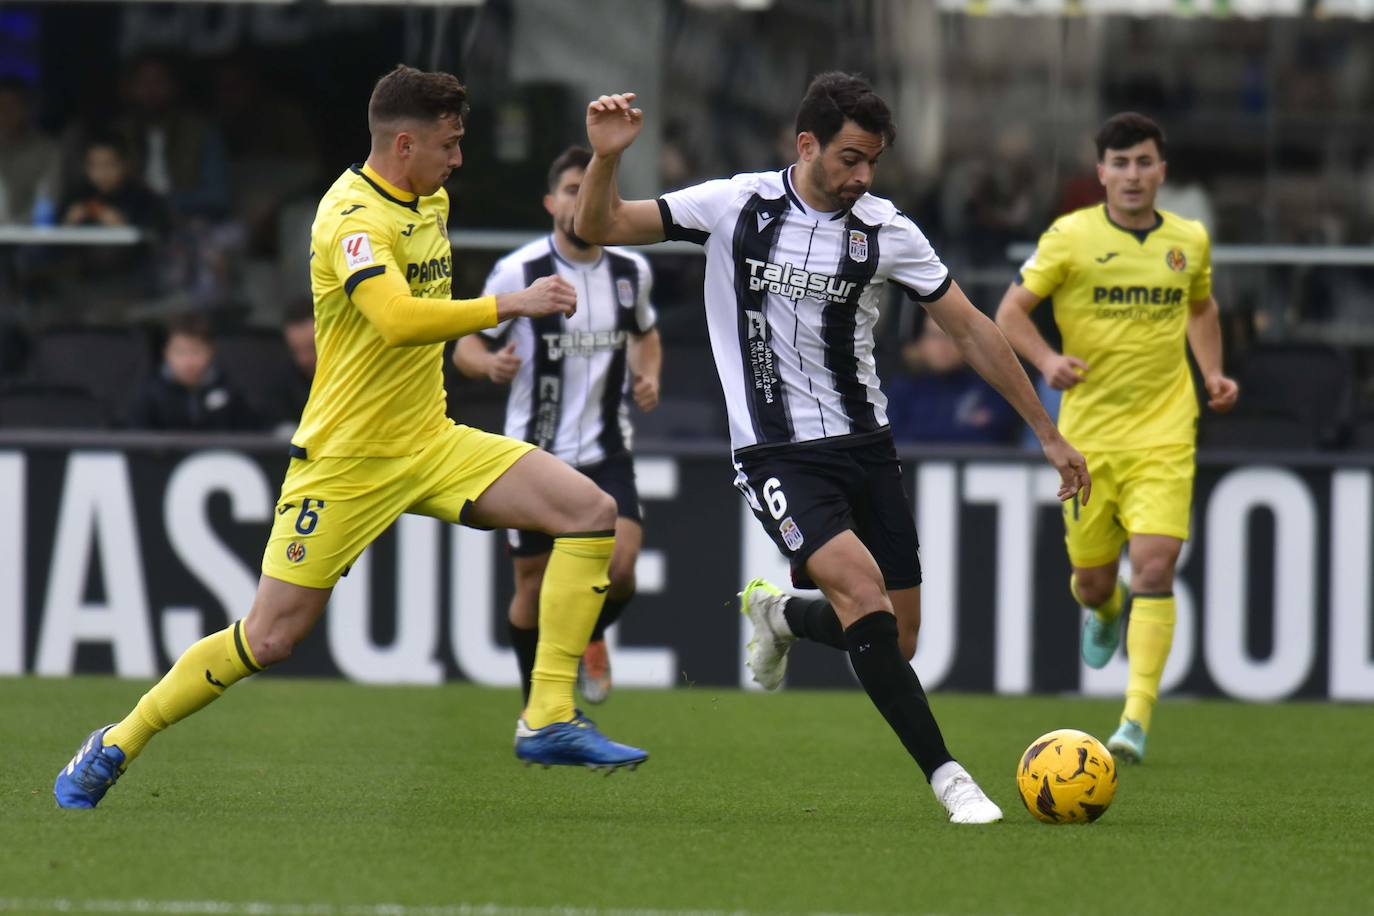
1149 491
330 509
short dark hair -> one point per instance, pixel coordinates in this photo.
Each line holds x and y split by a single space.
108 139
834 97
15 84
1127 128
190 324
574 157
407 94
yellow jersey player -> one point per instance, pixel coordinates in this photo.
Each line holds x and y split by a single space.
374 442
1130 285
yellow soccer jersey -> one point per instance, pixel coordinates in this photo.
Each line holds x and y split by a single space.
1121 300
370 399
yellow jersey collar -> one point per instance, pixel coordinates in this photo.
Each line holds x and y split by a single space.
386 188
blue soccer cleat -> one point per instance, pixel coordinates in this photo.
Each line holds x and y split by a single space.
1127 743
1101 639
576 744
82 783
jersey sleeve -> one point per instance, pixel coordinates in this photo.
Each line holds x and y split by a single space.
361 249
1048 266
1202 280
916 268
691 213
505 277
646 316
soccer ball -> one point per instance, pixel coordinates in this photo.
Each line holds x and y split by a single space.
1066 777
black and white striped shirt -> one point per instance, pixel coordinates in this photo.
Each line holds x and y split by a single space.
568 397
792 297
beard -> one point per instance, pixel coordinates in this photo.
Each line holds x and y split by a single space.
576 240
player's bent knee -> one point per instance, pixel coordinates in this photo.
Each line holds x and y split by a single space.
1153 577
602 513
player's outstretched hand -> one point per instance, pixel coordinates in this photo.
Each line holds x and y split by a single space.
613 123
1222 392
1063 372
1072 468
646 392
548 296
503 365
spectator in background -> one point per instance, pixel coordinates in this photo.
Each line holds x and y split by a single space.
108 195
179 152
941 399
293 388
29 160
188 392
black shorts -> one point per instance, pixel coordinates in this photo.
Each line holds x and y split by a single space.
615 475
806 494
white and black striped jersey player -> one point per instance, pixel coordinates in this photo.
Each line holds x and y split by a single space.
797 261
569 395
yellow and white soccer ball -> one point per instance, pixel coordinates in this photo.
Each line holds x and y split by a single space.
1066 777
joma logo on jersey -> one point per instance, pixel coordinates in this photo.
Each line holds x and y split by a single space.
583 343
786 281
1137 295
432 269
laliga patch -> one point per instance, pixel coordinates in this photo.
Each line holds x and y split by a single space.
791 534
625 292
858 245
357 250
295 551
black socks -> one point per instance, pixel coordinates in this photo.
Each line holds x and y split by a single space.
894 688
814 619
610 613
524 642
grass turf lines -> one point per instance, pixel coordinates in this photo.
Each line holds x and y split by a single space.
315 797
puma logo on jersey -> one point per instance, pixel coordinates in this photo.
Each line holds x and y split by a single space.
790 283
1106 257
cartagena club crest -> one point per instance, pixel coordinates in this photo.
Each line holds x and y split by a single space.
1176 259
858 245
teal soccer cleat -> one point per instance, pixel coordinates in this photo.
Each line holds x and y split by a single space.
1127 743
1100 640
577 744
82 783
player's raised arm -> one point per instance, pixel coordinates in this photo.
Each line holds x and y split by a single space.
602 217
988 352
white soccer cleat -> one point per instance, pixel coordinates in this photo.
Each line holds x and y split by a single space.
965 802
762 602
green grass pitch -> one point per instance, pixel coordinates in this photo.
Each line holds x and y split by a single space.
314 798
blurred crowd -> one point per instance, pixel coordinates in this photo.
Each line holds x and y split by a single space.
198 179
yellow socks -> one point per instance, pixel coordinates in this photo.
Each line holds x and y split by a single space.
198 678
570 600
1148 638
1106 612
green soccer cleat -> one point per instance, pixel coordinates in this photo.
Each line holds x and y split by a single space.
1127 743
1101 639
